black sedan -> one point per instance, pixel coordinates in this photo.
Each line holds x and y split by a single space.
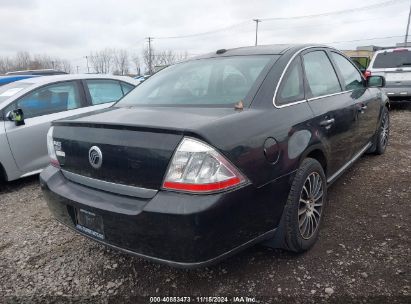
218 153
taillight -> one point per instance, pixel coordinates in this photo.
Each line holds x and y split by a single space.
51 148
367 73
197 167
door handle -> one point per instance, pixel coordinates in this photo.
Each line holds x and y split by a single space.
362 108
327 122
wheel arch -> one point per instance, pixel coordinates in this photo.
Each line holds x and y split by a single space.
316 152
3 174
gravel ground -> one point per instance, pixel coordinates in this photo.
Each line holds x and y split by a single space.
363 253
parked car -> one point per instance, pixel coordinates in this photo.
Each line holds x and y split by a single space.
8 79
395 66
40 72
215 154
28 106
142 78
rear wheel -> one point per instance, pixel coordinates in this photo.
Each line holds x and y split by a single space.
383 133
305 205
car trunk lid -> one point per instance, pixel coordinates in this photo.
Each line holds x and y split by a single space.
136 144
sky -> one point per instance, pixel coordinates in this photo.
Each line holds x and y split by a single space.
71 29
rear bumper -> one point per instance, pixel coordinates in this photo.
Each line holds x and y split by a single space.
178 229
397 92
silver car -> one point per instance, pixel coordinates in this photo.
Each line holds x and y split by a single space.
395 66
27 108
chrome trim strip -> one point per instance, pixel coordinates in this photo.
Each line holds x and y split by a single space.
283 73
290 104
110 187
329 95
285 70
31 173
349 163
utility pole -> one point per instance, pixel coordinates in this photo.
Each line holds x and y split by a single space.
149 55
88 69
257 21
408 27
77 67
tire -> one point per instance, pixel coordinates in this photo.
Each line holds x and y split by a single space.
381 140
304 209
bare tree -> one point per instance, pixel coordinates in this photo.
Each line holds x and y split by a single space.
149 59
25 61
22 61
167 57
66 66
121 62
102 61
136 61
6 65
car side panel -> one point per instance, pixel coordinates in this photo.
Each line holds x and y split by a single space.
28 142
6 157
368 106
339 137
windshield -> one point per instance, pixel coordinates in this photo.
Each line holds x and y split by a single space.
219 82
11 89
395 59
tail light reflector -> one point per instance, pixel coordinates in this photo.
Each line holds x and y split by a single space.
196 167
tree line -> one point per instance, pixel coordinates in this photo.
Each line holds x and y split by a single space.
25 61
104 61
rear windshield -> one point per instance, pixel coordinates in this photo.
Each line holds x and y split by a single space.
11 89
394 59
215 82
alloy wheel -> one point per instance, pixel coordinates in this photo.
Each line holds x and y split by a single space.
310 206
385 128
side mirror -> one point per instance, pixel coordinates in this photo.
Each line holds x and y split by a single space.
17 116
375 82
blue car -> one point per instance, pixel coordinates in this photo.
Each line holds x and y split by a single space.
7 79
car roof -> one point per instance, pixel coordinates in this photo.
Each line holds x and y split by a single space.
57 78
12 78
393 50
272 49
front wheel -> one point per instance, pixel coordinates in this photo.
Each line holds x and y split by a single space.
305 206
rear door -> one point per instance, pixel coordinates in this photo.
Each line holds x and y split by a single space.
103 93
366 101
333 108
40 107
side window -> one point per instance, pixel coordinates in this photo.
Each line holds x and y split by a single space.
103 91
126 87
50 99
292 87
352 77
320 74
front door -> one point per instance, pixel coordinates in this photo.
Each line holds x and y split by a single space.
40 107
365 100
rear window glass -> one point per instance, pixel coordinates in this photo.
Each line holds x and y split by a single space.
392 59
214 82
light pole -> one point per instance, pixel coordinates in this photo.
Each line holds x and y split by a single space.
88 69
256 30
149 55
408 26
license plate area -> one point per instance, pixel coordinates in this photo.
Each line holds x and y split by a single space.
90 223
403 76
